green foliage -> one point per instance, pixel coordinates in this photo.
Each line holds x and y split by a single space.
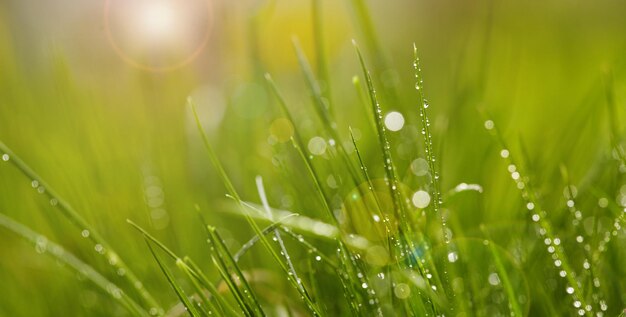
506 197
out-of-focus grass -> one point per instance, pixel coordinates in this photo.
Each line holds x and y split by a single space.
124 145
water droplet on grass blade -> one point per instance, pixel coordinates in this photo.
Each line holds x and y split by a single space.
494 279
489 125
453 257
504 153
421 199
394 121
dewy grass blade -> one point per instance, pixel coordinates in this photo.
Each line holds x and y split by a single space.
191 309
231 190
221 301
398 203
539 217
58 252
428 144
212 309
283 250
232 275
503 275
192 269
87 230
298 145
404 240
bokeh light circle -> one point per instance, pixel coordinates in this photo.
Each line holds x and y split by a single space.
141 29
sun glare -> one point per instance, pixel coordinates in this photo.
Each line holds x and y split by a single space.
158 35
158 19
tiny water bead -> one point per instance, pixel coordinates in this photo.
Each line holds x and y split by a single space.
504 153
453 257
494 279
394 121
317 145
85 233
421 199
5 157
489 124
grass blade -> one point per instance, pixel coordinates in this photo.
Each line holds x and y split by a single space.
87 230
75 263
191 309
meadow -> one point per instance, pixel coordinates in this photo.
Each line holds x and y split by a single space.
314 158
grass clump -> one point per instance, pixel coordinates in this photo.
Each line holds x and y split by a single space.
353 213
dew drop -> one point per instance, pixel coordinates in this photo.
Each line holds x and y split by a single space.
489 124
85 233
494 279
453 257
504 153
5 157
421 199
394 121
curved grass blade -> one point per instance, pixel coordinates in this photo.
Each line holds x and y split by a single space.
75 263
77 220
231 190
539 217
191 309
232 275
511 294
194 270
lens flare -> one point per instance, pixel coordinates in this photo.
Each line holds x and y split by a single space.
157 35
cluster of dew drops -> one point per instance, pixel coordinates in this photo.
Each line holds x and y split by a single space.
41 246
554 244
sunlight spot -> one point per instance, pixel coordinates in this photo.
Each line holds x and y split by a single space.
421 199
394 121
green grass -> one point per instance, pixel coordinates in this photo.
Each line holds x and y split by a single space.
150 199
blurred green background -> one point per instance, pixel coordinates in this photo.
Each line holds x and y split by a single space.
119 142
